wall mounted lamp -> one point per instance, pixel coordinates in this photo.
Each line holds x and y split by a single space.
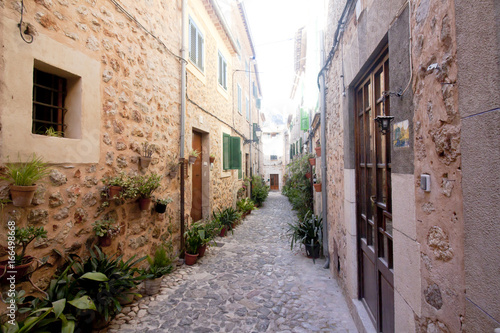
256 137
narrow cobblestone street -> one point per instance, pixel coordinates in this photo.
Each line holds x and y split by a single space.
251 282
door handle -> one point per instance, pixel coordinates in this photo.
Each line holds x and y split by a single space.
373 199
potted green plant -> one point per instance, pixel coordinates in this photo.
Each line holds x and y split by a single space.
147 153
24 176
143 187
21 238
193 155
312 160
173 168
245 206
159 266
212 158
192 242
105 230
307 232
161 205
115 185
318 149
317 184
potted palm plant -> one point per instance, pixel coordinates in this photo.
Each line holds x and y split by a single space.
193 155
212 158
159 266
105 230
192 241
307 232
22 238
24 177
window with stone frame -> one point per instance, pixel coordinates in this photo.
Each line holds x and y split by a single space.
196 45
222 72
49 94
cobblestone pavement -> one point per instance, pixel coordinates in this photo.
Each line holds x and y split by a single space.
251 282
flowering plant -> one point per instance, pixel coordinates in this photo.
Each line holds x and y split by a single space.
106 228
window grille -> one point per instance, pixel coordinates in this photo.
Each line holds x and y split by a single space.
49 93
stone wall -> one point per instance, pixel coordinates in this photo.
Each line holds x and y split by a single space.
428 227
437 127
140 102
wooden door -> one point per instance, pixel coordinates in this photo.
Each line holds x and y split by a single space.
373 190
197 190
275 182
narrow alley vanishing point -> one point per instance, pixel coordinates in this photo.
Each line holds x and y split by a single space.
250 282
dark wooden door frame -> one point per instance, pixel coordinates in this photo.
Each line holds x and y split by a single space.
197 179
373 168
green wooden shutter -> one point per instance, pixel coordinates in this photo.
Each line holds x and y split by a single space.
226 143
304 120
240 170
255 137
235 153
300 145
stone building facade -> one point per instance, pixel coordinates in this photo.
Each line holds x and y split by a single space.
121 61
410 257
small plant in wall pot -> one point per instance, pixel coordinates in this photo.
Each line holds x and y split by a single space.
193 155
24 176
212 158
161 205
22 238
318 149
317 184
147 153
106 229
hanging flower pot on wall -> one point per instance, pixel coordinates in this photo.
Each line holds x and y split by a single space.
145 161
22 195
317 187
144 203
308 175
318 151
312 161
192 159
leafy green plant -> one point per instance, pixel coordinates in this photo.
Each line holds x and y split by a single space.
106 228
298 188
194 153
161 264
227 217
245 205
23 237
52 132
192 239
142 186
260 190
163 201
308 231
119 180
120 278
26 173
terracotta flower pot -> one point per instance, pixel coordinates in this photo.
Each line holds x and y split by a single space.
212 159
145 161
308 175
152 286
22 195
114 191
318 151
105 241
317 187
190 259
192 159
312 161
223 232
201 250
144 203
20 271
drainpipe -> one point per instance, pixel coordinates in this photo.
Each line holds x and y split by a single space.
251 124
183 115
323 157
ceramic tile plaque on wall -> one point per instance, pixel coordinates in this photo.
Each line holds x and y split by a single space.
401 135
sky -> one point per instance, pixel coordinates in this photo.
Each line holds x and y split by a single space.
273 24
